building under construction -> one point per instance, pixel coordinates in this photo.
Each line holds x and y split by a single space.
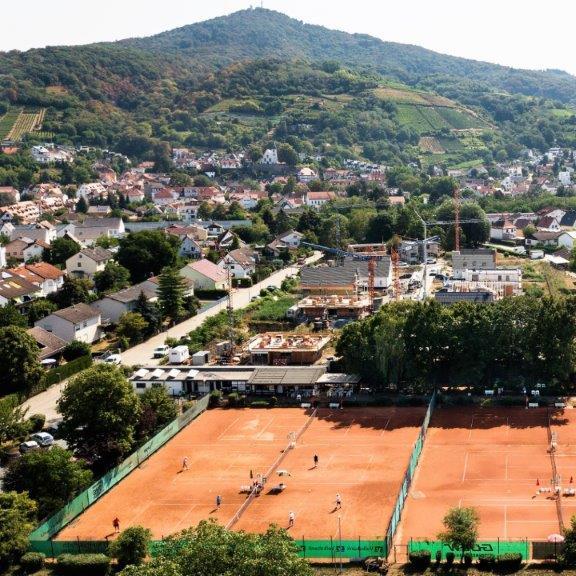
338 306
279 349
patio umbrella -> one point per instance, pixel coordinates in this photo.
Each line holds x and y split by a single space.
557 539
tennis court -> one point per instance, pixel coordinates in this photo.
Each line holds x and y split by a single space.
494 460
363 456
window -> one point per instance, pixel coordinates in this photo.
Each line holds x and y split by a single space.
77 327
141 385
79 264
85 323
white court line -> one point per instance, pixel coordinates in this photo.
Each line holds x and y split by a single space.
386 426
349 426
227 428
465 467
266 426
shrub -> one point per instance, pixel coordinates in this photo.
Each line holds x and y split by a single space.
510 562
273 401
215 397
32 562
37 422
438 556
450 558
233 399
131 546
467 559
486 561
76 349
85 564
420 559
259 404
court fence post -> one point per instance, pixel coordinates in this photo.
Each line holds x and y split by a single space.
498 545
304 546
332 550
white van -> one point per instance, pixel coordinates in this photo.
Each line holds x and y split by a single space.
178 355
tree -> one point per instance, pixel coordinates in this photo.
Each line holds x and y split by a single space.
60 250
568 554
40 309
158 410
100 411
171 293
132 326
156 567
11 418
18 515
461 529
11 316
51 478
113 278
210 550
287 154
131 547
21 371
146 253
73 291
76 349
82 205
151 314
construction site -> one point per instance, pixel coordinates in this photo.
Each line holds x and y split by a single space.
280 349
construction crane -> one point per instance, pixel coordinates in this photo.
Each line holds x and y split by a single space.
372 259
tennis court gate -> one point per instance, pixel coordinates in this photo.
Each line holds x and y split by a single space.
408 476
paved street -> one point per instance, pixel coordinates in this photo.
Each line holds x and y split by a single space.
45 403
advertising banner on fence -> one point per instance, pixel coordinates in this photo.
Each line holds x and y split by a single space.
485 547
344 548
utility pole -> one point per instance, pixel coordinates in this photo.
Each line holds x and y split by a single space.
230 310
425 255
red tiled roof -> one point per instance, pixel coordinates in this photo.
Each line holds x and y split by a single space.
209 269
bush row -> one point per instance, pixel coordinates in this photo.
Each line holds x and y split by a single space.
84 564
510 562
60 373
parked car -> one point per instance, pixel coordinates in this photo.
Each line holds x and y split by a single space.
43 439
115 359
161 351
271 288
28 446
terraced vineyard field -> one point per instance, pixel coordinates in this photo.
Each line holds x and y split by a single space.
7 122
16 123
432 118
431 145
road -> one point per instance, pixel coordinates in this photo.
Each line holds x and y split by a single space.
45 402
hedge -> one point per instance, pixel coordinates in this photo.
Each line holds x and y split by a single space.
60 373
510 562
210 294
420 559
486 561
259 404
32 562
450 558
84 564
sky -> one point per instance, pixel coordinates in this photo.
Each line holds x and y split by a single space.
519 33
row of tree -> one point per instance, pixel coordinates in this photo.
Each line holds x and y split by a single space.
421 344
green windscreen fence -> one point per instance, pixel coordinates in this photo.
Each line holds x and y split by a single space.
39 539
483 547
340 548
407 481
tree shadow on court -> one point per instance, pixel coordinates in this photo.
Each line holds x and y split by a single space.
376 418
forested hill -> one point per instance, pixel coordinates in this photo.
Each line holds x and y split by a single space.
261 33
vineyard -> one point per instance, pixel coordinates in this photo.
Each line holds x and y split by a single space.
412 97
431 145
423 119
16 123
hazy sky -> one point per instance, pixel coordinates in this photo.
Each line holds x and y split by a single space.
520 33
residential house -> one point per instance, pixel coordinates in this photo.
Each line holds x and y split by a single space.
567 239
206 275
165 196
472 259
9 194
47 277
306 175
134 195
396 200
214 229
26 212
49 344
152 284
543 238
503 230
569 219
181 232
241 262
18 291
88 261
93 228
270 156
549 223
91 190
25 249
190 247
318 199
113 306
79 322
43 231
291 239
226 240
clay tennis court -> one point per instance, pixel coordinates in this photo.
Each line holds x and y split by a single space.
490 459
363 455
